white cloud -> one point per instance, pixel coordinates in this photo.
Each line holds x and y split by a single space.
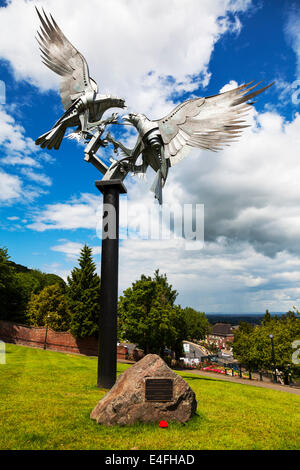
77 213
72 249
20 161
37 177
10 187
229 86
250 189
17 148
125 40
55 268
236 278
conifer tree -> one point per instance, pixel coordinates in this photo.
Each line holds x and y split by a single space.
12 304
267 318
83 291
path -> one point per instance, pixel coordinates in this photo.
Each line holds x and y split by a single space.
254 383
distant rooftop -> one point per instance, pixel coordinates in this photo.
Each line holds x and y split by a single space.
222 329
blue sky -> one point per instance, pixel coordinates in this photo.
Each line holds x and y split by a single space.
155 57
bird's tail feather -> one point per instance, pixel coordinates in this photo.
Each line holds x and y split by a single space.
156 187
52 138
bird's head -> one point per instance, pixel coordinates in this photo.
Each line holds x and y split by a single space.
115 101
121 103
133 119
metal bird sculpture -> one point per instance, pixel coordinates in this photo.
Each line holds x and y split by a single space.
207 123
84 107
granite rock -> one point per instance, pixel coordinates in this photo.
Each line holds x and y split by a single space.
126 402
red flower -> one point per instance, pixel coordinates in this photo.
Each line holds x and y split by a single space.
163 424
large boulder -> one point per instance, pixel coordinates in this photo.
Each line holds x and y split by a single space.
139 392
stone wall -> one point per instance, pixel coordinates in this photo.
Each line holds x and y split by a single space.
57 341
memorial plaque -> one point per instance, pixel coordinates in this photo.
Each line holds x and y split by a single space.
159 390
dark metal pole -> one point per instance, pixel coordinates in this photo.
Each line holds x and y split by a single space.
107 359
45 342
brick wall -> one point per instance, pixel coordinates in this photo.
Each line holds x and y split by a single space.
57 341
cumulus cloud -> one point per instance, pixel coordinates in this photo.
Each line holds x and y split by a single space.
229 86
20 152
77 213
10 187
15 145
72 249
222 274
13 190
250 189
142 51
37 177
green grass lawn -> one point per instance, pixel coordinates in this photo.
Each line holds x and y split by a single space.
46 399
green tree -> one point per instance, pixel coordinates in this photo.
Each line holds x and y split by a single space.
267 318
34 281
83 291
252 345
17 283
285 331
12 299
148 317
197 324
49 307
177 320
244 347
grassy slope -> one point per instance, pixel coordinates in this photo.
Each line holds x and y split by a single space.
46 398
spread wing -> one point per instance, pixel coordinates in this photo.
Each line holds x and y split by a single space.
62 57
207 123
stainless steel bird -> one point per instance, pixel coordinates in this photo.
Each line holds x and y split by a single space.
84 106
207 123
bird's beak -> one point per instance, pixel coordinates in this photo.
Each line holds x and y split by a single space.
126 118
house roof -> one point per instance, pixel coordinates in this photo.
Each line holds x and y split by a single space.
222 329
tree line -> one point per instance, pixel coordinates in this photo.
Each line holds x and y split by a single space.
269 346
33 298
147 313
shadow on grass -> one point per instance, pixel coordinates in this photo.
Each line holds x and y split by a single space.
213 379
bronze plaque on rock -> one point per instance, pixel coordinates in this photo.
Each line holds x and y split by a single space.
159 390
